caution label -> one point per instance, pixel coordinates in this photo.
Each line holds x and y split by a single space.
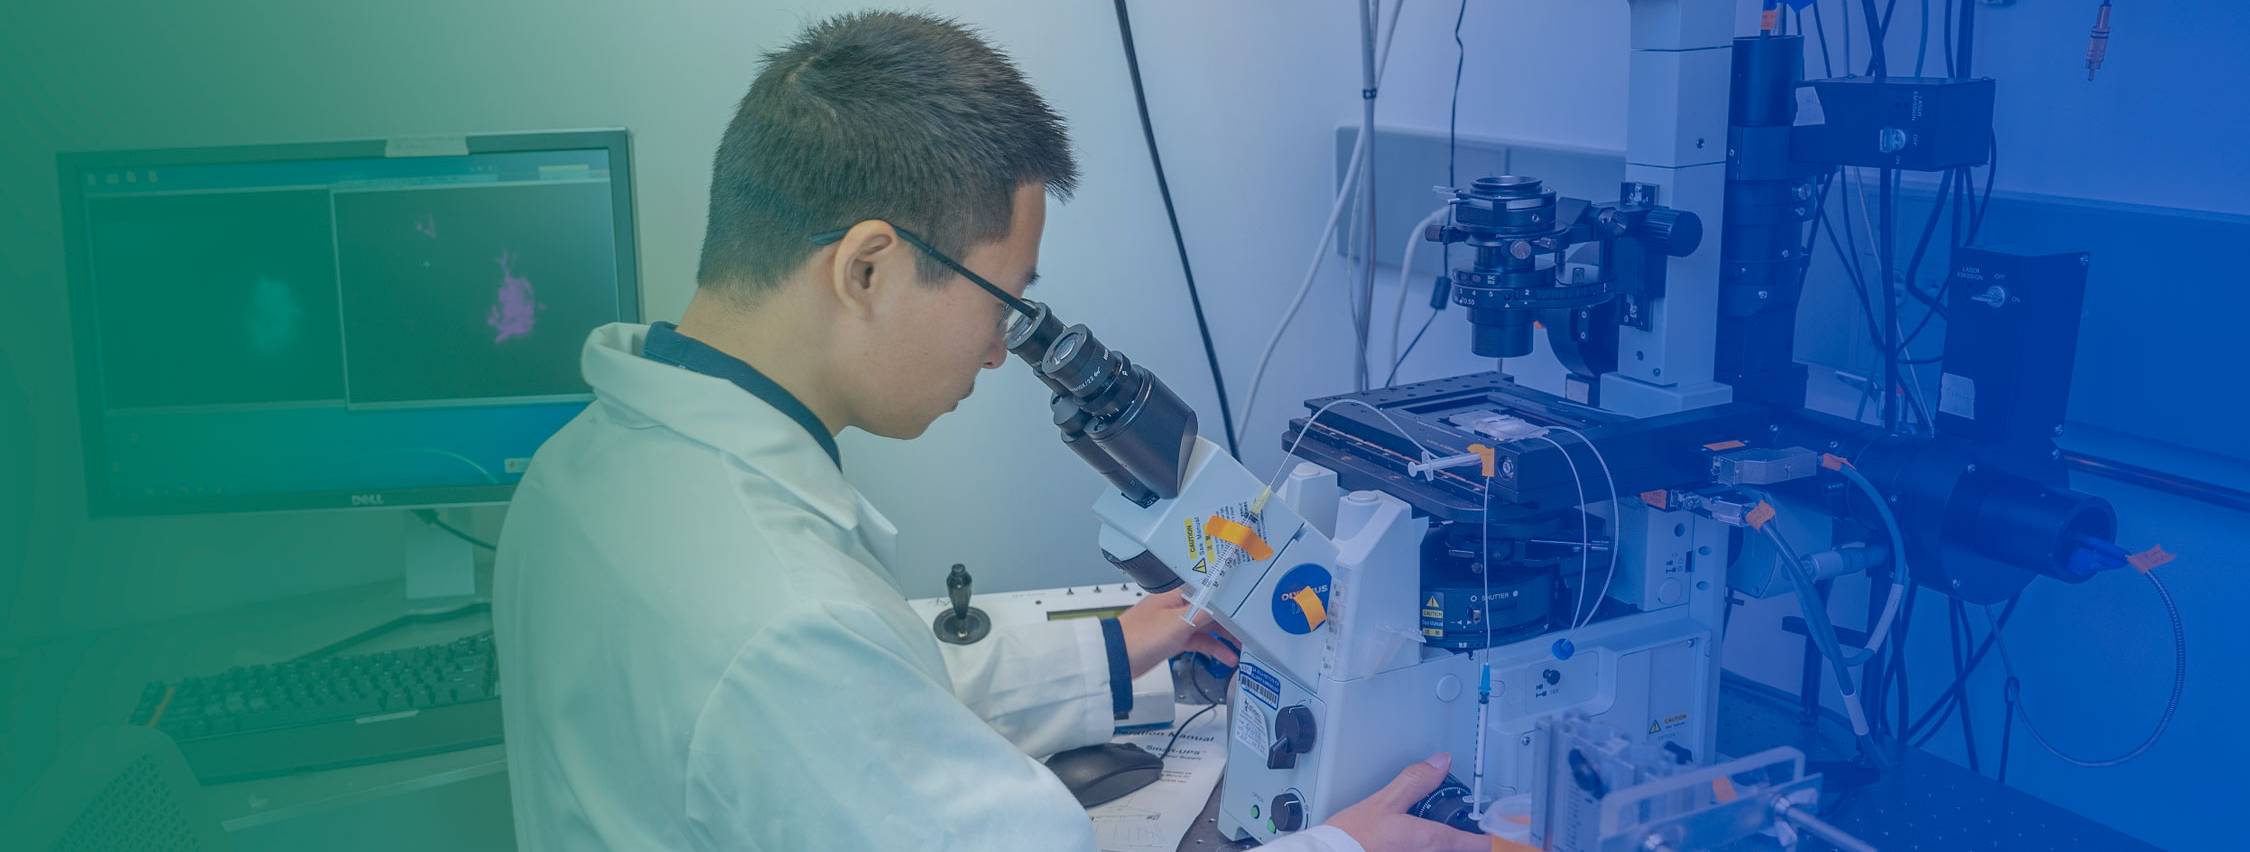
1208 547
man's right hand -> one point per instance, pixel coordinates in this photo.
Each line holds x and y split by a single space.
1380 822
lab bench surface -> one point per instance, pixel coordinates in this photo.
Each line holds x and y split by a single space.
1926 802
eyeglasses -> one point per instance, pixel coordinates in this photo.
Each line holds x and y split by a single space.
1015 305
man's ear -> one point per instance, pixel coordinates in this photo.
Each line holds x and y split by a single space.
868 257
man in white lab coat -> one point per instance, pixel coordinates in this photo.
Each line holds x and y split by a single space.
703 644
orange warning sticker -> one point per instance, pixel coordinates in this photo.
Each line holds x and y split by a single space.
1239 535
1658 499
1723 788
2150 559
1308 600
1759 515
1723 446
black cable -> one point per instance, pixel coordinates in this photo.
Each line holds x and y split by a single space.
2008 695
1959 615
1878 65
1847 9
1183 729
1885 197
1850 263
1409 350
1938 205
1209 705
1453 112
440 616
1899 676
1992 167
1452 150
1812 237
1820 23
1921 731
1171 214
1976 224
430 517
1922 45
1968 37
1949 72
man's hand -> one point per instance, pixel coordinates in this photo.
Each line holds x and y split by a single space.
1155 632
1380 822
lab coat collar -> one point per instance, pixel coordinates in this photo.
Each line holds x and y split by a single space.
714 412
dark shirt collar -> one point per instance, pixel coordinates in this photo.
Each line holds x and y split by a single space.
667 345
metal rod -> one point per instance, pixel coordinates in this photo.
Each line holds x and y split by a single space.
1820 828
2169 483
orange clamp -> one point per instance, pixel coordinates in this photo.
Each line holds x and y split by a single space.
2150 559
1833 461
1485 453
1759 515
1723 446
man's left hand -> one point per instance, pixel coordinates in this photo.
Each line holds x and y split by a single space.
1155 632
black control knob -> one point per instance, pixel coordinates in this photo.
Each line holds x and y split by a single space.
1288 812
1551 676
1673 232
960 624
1293 734
1449 804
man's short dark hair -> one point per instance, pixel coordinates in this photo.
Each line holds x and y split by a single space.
907 118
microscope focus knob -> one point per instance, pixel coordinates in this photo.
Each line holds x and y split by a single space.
1675 232
1293 734
1288 812
1449 804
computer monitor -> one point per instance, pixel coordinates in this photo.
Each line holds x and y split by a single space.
384 323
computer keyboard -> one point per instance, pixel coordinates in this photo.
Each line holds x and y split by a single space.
330 712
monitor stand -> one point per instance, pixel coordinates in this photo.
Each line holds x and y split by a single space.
439 566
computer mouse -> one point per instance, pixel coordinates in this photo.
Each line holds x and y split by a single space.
1102 773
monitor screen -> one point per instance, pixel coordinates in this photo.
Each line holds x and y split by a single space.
338 324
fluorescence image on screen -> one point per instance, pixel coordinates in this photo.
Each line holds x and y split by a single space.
216 298
473 293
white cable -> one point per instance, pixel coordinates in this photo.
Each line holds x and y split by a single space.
1315 418
1585 533
1616 513
1882 626
1484 671
1344 194
1406 275
1312 272
2171 704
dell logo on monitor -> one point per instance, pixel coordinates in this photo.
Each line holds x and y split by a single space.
367 500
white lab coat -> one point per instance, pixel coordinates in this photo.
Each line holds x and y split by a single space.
703 646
